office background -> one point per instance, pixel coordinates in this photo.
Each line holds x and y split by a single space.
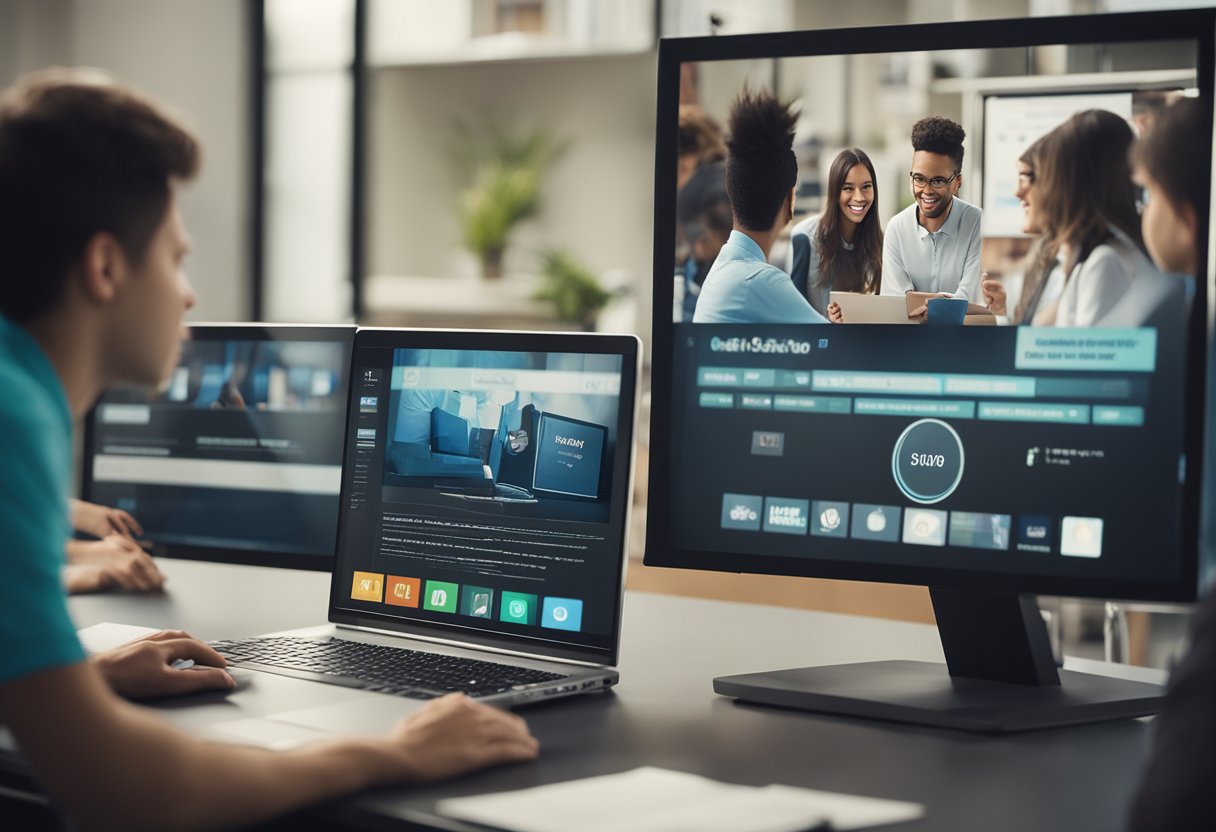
329 190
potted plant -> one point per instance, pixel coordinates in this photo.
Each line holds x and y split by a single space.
503 174
573 289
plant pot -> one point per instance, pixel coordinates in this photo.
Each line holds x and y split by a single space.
491 264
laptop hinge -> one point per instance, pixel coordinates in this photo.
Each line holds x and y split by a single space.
447 642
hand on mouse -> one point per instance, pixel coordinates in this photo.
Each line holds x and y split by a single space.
453 735
144 668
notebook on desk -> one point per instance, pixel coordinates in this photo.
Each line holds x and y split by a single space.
445 578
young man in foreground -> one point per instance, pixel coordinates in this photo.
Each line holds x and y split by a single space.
92 293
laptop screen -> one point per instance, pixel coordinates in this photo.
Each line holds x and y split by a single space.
485 488
238 457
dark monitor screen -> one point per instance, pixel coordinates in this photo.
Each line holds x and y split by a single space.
569 456
238 457
911 333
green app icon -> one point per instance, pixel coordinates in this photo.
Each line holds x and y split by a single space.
518 608
477 601
440 596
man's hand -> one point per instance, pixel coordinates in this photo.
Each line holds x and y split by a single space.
116 562
101 521
144 668
454 735
995 297
835 313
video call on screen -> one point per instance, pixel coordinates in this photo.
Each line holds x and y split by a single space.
1041 446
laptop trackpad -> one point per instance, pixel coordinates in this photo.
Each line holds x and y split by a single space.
369 714
263 732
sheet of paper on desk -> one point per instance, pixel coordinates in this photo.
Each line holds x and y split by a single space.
658 800
107 635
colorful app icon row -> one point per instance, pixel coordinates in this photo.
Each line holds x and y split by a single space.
1078 536
473 601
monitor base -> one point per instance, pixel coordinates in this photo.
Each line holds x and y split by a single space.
924 693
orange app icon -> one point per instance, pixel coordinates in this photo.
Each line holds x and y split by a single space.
403 592
367 586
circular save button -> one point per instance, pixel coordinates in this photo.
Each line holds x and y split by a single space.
928 461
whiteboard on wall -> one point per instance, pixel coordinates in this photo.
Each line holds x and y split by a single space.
1011 124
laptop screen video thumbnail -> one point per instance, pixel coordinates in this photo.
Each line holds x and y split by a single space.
486 489
238 457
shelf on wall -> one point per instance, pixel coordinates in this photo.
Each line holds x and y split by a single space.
497 50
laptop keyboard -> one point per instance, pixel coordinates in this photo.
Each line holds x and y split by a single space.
377 667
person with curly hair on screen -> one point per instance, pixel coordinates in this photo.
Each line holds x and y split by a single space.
742 287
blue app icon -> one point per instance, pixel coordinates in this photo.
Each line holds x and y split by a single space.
562 614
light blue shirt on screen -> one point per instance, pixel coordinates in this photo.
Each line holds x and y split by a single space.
36 632
946 260
743 288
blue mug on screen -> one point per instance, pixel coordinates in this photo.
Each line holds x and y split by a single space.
946 311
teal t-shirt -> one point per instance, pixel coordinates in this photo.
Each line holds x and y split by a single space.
36 632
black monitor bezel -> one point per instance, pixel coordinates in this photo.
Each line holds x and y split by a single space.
337 333
627 346
1197 24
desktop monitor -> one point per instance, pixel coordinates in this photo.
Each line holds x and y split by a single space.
238 456
1058 454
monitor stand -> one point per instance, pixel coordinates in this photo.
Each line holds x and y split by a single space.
999 677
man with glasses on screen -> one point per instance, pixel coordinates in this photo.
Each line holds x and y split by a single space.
933 245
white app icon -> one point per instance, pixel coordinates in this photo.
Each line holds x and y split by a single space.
1081 537
925 527
560 614
829 519
481 604
439 598
518 609
742 512
876 520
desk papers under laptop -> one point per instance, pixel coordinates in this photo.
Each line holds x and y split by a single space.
659 800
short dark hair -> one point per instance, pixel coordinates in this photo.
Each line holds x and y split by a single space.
703 206
937 134
1170 149
761 168
79 155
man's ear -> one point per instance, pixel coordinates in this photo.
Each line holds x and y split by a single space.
1190 219
103 268
958 184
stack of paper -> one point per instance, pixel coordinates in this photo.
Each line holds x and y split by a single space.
657 800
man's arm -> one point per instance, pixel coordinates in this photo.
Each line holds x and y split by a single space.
895 277
969 280
140 773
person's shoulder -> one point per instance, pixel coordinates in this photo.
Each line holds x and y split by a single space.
807 226
29 412
903 221
968 212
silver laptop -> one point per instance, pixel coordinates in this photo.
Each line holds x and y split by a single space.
481 537
858 308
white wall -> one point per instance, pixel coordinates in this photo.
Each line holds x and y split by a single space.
598 201
192 57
